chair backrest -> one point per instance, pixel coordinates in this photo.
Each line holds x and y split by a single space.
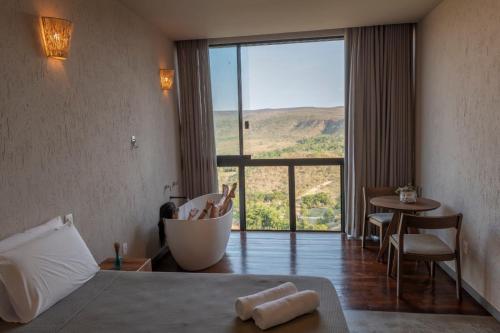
372 192
430 222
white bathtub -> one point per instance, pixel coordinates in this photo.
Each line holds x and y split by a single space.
198 244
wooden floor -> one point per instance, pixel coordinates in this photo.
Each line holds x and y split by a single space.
359 279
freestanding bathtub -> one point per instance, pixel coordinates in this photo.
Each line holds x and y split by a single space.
198 244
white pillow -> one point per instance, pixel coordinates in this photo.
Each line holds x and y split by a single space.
24 237
40 273
6 311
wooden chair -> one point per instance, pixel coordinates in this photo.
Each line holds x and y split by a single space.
425 247
380 220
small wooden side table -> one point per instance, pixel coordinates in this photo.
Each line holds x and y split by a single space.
128 264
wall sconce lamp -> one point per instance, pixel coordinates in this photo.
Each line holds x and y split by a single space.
166 78
56 35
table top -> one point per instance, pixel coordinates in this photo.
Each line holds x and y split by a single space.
128 264
392 202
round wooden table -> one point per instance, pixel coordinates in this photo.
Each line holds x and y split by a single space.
392 202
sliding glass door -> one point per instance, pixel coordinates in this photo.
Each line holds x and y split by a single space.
279 127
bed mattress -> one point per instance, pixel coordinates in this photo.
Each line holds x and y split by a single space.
177 302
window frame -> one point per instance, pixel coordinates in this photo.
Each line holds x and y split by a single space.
241 161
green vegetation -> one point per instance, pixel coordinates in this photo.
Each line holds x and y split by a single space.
315 200
286 133
319 212
309 147
266 216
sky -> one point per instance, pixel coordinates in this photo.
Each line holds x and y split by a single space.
279 75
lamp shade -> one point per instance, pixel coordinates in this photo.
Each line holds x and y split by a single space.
56 35
166 78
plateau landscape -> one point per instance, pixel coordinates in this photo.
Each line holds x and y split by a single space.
304 132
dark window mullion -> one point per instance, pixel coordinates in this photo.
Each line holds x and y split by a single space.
243 210
291 200
240 98
241 168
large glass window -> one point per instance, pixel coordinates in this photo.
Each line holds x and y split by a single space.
224 77
293 99
267 198
279 130
318 197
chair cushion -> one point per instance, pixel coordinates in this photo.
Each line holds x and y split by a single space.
381 217
423 244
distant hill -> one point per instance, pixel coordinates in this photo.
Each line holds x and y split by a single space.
286 133
274 130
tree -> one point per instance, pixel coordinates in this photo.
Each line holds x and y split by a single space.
262 216
320 199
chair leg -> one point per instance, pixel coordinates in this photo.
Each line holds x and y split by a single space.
381 235
459 277
389 260
433 269
363 234
393 270
398 275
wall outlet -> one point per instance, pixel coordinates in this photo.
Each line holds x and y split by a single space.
124 249
466 247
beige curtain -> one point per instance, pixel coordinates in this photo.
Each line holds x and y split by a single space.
380 112
196 119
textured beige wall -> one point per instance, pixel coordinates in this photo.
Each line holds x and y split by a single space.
458 158
65 126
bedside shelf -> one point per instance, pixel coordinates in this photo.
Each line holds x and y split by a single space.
128 264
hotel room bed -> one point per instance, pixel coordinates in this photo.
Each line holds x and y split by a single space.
177 302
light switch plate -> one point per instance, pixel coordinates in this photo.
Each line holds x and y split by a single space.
133 142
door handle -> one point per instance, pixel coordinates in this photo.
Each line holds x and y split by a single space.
247 124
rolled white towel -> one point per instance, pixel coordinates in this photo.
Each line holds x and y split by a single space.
285 309
244 305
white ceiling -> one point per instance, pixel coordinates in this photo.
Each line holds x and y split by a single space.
191 19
